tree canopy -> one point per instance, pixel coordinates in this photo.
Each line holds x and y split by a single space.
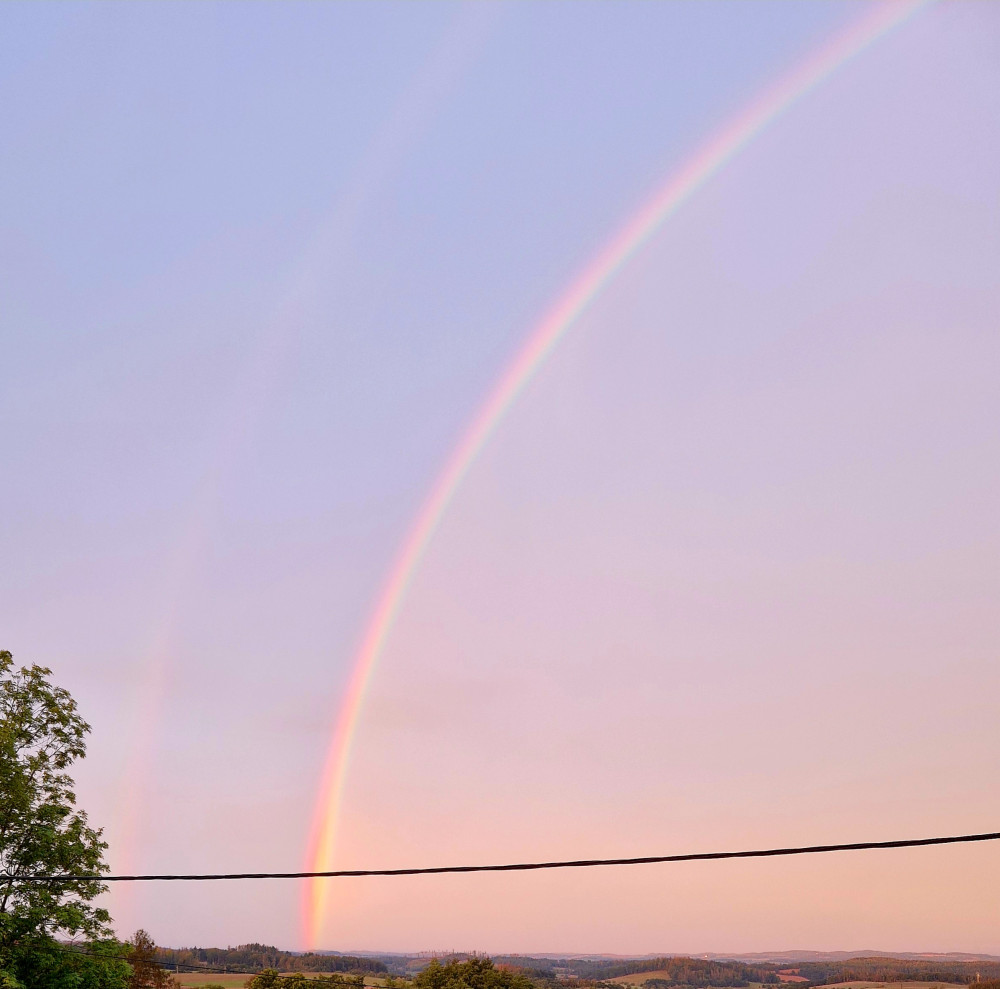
146 972
474 973
259 957
51 933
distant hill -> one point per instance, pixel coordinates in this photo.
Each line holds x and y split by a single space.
782 957
800 968
257 957
899 969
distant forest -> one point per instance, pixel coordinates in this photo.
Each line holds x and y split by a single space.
897 970
548 973
257 957
701 973
676 971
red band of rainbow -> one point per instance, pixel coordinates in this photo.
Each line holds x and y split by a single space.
707 160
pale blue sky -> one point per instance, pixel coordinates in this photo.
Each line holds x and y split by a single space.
260 263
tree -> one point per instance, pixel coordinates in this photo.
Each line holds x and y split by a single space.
475 973
264 980
146 972
43 832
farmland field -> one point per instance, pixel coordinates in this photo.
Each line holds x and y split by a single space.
638 978
189 980
895 985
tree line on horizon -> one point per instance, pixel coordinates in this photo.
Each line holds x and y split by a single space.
260 957
519 972
678 970
700 973
880 969
466 972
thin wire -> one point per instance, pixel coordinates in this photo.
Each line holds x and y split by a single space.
516 866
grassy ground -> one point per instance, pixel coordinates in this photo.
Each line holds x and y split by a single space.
638 978
201 979
895 985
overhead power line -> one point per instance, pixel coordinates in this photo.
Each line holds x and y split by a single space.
856 846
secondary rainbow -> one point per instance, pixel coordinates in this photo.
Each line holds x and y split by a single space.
706 161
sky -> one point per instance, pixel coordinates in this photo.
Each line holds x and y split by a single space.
724 575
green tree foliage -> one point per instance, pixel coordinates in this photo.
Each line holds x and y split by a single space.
878 969
684 971
42 831
268 979
473 973
258 957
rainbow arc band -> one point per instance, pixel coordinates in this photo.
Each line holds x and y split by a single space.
713 155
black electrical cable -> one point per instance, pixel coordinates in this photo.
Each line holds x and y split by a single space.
516 866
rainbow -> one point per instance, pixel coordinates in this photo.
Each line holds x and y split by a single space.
713 155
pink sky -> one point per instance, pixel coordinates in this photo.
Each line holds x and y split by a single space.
726 574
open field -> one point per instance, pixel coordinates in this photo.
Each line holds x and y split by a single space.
638 978
896 985
189 980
